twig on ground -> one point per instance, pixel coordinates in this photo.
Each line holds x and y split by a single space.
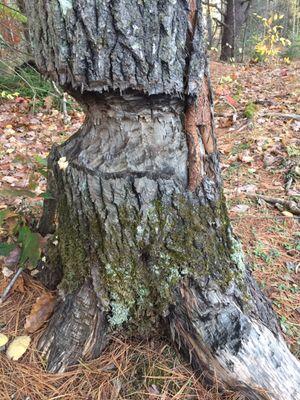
288 204
282 115
10 285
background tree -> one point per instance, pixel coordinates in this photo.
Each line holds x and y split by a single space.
235 17
143 237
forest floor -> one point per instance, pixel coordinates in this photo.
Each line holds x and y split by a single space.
260 155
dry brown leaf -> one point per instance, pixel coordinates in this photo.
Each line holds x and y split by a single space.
48 102
13 257
40 312
19 285
226 122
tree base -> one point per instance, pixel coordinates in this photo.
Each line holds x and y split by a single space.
209 327
76 331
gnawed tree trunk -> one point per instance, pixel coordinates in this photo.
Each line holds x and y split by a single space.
143 235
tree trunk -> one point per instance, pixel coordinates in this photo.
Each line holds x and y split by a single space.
234 19
209 25
143 235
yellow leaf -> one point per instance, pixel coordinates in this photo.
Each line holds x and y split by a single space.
3 340
18 347
288 214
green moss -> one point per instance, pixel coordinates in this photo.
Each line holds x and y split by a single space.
172 243
71 248
142 258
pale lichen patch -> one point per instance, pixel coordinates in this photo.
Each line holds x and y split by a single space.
237 254
65 6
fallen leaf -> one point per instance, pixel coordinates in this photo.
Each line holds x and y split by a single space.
40 312
288 214
225 148
240 208
231 101
269 160
13 257
7 272
9 179
3 340
250 188
226 122
18 347
48 102
296 126
9 131
153 390
19 285
245 157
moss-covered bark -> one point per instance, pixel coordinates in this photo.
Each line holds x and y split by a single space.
146 254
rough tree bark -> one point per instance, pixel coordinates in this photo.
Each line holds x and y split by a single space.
143 235
235 16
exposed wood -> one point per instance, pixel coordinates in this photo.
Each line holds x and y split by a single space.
78 330
204 117
194 157
241 351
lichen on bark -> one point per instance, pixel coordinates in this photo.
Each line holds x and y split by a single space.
144 254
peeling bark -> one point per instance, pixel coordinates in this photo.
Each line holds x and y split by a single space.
143 234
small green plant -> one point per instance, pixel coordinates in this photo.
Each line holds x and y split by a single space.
266 256
293 51
239 148
250 110
10 12
23 237
27 83
272 43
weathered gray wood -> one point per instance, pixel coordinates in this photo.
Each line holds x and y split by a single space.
143 233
